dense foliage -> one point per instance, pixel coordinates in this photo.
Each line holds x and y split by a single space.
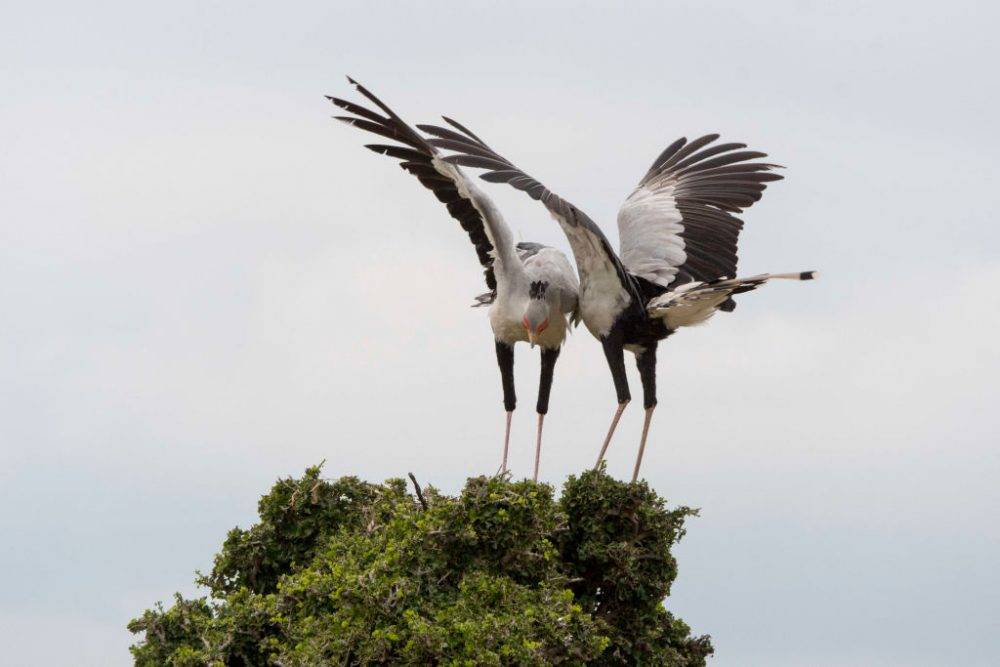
351 573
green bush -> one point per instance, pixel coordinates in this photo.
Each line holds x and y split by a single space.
350 573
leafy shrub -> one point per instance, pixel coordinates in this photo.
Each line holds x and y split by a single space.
351 573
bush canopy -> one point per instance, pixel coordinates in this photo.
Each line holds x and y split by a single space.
347 572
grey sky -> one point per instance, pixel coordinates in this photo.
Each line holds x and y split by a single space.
206 283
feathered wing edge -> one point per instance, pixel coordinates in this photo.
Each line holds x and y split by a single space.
680 224
583 233
465 204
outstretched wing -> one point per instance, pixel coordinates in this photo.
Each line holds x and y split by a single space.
474 211
596 261
678 224
694 302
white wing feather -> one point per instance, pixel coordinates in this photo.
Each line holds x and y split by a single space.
650 227
679 223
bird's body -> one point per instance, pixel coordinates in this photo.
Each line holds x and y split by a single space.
533 288
677 258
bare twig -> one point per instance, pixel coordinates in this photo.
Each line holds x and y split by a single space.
420 494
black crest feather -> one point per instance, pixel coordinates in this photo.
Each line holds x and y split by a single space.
537 289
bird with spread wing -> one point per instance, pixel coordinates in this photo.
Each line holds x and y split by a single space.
676 266
533 289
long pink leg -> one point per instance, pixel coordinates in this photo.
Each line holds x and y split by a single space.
506 443
611 432
538 445
642 443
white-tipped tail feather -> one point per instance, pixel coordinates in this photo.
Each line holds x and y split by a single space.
694 302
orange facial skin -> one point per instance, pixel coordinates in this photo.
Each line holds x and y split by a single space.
541 327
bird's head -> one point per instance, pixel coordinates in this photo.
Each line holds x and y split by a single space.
536 313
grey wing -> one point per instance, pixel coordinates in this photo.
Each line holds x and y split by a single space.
595 259
678 224
474 211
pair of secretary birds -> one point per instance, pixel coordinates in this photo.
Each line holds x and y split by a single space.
676 266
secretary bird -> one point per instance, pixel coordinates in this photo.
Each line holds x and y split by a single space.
678 242
533 289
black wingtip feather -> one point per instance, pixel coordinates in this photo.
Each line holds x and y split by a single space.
417 156
462 128
666 154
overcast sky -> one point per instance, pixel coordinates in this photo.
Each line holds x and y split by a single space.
205 284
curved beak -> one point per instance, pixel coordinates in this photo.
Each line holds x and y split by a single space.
532 338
